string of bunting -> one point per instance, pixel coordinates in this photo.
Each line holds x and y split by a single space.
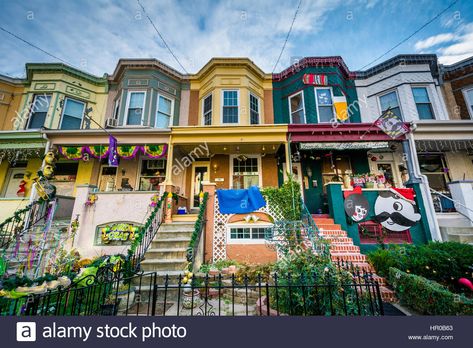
124 151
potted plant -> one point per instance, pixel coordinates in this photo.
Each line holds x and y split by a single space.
191 297
370 181
359 180
110 306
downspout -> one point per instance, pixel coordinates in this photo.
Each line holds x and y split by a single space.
415 176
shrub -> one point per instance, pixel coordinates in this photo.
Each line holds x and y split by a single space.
286 198
426 296
313 285
441 262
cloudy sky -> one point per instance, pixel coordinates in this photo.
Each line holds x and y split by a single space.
94 34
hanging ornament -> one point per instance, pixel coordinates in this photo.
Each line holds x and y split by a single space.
155 151
97 151
128 151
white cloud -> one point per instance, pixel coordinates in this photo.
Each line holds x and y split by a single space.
461 49
93 35
433 41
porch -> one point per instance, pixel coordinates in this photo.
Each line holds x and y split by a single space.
447 165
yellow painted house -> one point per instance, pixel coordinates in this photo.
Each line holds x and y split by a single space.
52 96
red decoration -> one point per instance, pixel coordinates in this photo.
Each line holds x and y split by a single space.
315 79
356 189
466 283
22 189
406 193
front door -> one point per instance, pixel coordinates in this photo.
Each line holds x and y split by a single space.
15 176
200 173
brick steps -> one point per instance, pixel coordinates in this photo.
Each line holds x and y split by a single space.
343 250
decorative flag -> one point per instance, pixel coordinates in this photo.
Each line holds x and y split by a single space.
112 152
314 79
390 124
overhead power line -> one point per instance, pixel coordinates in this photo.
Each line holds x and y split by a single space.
415 32
161 36
288 34
34 46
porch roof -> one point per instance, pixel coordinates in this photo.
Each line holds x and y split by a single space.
443 130
220 135
344 132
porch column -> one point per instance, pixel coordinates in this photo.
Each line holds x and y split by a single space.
210 188
288 158
170 161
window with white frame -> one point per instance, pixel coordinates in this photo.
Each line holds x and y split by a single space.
296 108
72 114
254 109
324 104
390 100
207 110
136 102
230 107
116 109
164 112
424 107
469 100
249 234
245 172
39 110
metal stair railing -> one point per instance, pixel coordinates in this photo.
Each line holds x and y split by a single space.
22 221
455 203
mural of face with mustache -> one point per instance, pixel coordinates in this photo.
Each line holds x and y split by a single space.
395 213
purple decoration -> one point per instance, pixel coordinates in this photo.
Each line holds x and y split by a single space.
112 152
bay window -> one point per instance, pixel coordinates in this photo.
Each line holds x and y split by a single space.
296 108
324 104
254 109
230 107
390 100
135 107
38 112
164 112
73 114
421 98
207 110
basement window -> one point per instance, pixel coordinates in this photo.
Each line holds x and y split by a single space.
244 234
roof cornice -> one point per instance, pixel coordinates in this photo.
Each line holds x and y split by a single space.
234 62
138 63
32 68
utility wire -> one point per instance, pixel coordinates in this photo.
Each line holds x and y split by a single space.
34 46
415 32
161 37
288 34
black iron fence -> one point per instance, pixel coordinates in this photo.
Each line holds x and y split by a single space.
153 294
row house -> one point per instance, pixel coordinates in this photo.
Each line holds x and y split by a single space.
232 126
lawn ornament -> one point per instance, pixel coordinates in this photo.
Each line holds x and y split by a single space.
466 283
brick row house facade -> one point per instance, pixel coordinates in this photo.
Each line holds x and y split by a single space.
231 126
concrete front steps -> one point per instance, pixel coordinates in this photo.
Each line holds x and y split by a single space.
167 252
342 249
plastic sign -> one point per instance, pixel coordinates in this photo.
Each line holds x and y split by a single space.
315 79
118 233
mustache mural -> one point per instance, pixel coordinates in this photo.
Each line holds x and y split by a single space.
396 217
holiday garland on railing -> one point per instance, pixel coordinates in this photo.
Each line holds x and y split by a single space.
197 231
125 151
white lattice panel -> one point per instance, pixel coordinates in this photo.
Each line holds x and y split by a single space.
220 229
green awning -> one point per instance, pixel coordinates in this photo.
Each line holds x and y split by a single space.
15 146
365 145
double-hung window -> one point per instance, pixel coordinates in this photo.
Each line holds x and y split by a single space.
136 103
390 100
324 104
38 111
254 109
245 172
424 107
207 110
230 107
164 112
468 94
73 114
296 108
